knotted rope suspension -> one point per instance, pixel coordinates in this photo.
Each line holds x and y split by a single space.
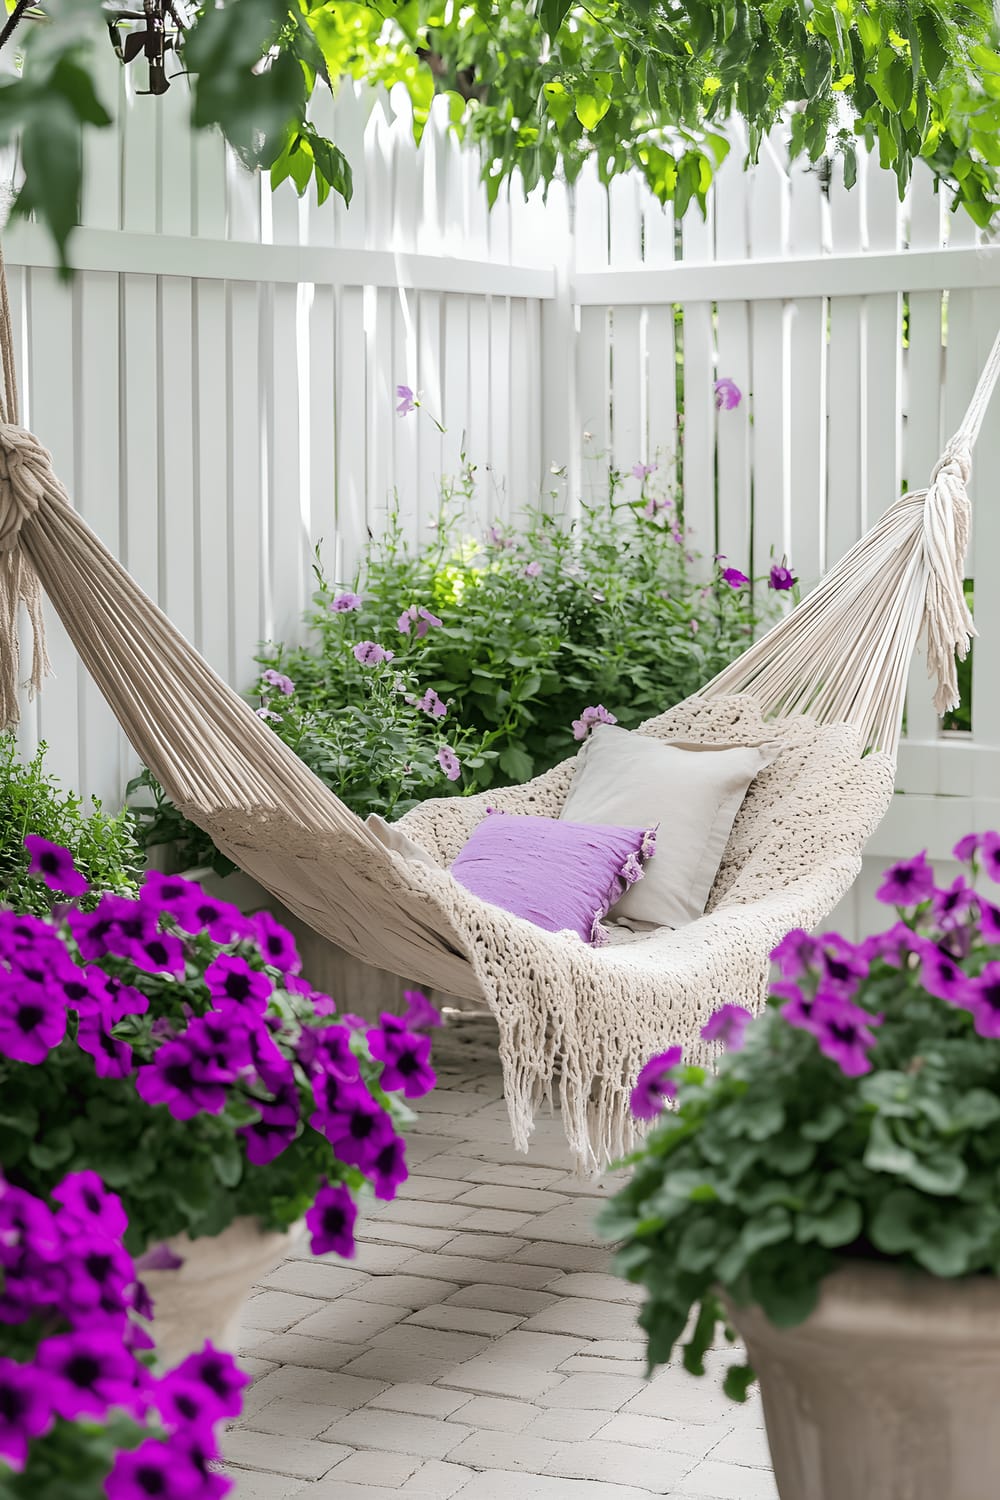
25 478
844 654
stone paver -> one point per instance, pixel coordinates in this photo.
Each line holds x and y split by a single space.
477 1347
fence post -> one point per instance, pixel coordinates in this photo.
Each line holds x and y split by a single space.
559 479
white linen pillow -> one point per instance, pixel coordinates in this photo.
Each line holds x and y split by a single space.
693 792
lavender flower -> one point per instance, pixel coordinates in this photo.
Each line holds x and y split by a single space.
655 1084
532 569
345 602
596 714
642 471
268 715
727 394
407 400
371 654
449 762
55 866
278 680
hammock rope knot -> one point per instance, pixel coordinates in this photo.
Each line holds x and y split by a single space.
24 468
25 478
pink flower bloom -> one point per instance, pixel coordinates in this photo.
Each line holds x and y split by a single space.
431 704
407 400
597 714
643 471
346 601
278 680
734 578
727 394
449 763
371 654
727 1025
966 849
268 715
532 570
418 619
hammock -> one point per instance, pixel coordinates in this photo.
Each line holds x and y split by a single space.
574 1022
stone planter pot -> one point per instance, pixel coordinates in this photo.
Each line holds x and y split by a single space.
204 1298
889 1391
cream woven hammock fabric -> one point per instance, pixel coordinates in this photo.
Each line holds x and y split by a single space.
575 1022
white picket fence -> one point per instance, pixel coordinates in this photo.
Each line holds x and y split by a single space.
217 384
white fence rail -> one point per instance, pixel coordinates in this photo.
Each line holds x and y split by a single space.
218 385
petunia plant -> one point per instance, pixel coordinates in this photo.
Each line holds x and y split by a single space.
167 1043
857 1116
84 1415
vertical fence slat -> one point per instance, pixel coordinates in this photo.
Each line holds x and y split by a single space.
881 371
498 499
628 438
352 476
322 418
52 362
212 581
455 401
246 494
731 203
698 424
176 509
844 484
770 381
286 521
96 378
431 380
986 540
806 430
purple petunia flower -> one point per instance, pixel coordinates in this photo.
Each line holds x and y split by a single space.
781 578
25 1410
55 866
907 883
727 394
728 1025
345 602
331 1220
532 569
269 1136
358 1132
595 714
159 953
950 907
449 762
223 921
276 943
420 1012
843 1033
159 1258
843 966
218 1377
371 654
156 1468
230 978
892 947
984 1000
184 1081
796 953
407 400
32 1022
734 578
942 976
85 1202
278 680
989 848
654 1084
87 1371
388 1167
406 1061
966 849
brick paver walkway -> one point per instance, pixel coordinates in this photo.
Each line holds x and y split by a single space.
477 1347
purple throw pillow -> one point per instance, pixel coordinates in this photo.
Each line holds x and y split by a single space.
556 874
